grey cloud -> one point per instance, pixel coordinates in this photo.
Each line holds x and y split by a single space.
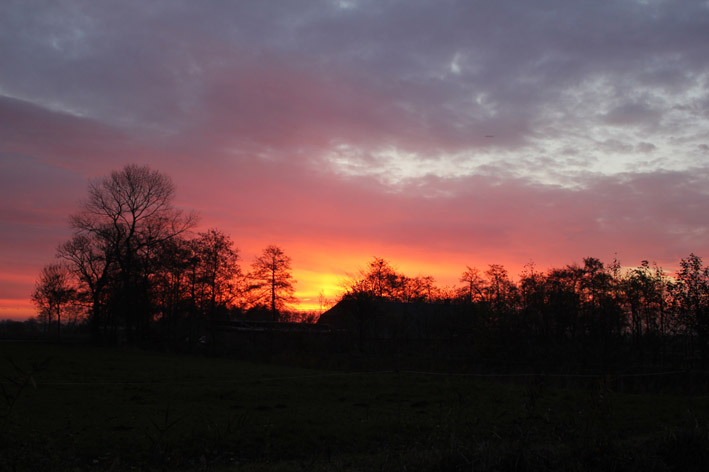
615 146
133 64
427 76
632 114
645 148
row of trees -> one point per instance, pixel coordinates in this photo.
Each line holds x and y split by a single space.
134 265
593 304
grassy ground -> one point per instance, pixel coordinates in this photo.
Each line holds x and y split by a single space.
81 408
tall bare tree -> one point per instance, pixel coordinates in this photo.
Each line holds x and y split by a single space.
122 225
218 271
271 279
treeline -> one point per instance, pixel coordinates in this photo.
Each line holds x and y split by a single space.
594 311
134 269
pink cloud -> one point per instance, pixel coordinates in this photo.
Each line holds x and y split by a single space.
243 105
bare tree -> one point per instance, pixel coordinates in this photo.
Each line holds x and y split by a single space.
173 287
474 283
415 289
691 294
53 294
218 271
125 220
132 212
324 302
95 271
379 280
499 290
271 279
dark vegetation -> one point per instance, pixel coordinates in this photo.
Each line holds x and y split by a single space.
81 408
584 367
590 317
134 273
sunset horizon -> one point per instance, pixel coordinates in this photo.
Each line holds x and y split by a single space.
354 235
434 136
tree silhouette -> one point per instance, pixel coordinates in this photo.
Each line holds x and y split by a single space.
414 289
379 280
218 271
174 289
499 291
691 295
124 222
93 267
271 279
131 264
472 290
54 293
532 291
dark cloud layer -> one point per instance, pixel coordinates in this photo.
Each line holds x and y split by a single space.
492 131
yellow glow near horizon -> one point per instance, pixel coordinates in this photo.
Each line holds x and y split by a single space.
314 285
325 270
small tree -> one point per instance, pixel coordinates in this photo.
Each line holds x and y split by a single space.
218 270
379 280
499 291
53 294
415 289
271 279
474 284
691 294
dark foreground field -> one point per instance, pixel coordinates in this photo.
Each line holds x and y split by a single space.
80 408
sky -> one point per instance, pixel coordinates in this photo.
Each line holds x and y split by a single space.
434 134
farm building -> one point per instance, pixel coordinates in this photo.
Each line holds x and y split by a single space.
384 319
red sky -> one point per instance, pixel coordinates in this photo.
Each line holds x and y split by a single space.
433 134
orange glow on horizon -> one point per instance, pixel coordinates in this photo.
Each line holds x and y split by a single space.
16 309
322 270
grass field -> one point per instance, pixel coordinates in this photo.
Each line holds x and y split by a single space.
83 408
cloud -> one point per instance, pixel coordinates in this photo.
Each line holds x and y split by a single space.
645 148
468 130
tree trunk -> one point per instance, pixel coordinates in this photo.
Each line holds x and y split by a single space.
273 296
